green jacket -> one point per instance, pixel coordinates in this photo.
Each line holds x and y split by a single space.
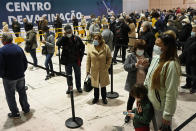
169 89
143 119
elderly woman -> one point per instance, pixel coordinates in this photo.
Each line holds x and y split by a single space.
163 79
98 62
147 35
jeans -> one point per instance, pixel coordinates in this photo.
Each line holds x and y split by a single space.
130 102
34 57
77 71
103 93
48 63
10 86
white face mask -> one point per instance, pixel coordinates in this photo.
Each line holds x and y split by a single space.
139 52
157 50
141 29
69 35
194 21
167 24
183 24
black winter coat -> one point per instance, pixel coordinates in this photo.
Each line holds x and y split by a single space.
16 27
185 33
72 51
124 31
188 57
150 41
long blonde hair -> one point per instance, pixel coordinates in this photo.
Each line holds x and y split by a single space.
168 55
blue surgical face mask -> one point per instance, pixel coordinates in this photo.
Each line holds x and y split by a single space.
193 34
157 50
95 42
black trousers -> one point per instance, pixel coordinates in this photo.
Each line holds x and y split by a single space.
117 48
130 102
40 35
191 71
120 44
103 93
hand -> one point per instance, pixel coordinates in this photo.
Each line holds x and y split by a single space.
166 122
132 115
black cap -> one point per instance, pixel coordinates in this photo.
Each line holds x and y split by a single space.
67 28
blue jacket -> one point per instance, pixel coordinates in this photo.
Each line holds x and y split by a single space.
13 62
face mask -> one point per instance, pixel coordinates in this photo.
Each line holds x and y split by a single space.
193 34
95 42
157 50
194 21
150 23
167 24
183 24
141 29
69 35
140 52
117 20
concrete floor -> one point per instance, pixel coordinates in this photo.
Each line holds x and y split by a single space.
50 106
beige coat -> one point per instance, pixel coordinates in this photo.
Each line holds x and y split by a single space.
98 64
132 34
5 28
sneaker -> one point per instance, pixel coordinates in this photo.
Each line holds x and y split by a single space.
68 91
105 101
26 87
185 87
79 90
52 75
127 119
192 91
31 67
47 77
95 101
27 111
114 62
11 115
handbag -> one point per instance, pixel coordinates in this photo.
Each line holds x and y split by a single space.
44 50
87 84
28 47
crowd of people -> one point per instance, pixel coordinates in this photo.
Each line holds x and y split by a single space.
152 38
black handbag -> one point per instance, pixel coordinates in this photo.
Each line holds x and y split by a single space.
44 50
87 84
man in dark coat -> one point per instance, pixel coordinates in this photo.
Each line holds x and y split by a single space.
16 27
188 57
121 39
72 54
148 36
13 64
185 33
58 25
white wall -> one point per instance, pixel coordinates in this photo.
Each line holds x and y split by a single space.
132 5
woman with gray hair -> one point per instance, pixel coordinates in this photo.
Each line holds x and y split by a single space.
147 35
